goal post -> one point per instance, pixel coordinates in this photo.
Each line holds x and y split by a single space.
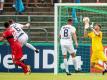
97 12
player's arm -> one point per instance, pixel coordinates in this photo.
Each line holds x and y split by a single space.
85 33
75 39
24 26
1 38
74 36
96 33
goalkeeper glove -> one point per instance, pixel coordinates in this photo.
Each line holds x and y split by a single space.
91 26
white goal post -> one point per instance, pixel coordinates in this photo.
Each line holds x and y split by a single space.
56 26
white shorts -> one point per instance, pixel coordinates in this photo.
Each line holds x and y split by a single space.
23 39
1 0
67 48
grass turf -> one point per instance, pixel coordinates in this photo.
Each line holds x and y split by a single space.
51 76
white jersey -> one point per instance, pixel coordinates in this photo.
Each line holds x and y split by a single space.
18 31
66 34
20 35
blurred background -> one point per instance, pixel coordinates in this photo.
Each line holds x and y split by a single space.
41 14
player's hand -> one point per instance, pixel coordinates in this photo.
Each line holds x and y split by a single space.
28 24
91 26
76 45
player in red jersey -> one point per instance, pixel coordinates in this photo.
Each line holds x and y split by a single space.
16 48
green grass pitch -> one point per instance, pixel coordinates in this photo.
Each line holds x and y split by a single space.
51 76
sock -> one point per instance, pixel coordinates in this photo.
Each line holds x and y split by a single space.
78 63
66 65
105 66
75 63
30 46
99 68
21 64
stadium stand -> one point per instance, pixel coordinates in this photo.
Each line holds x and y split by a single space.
86 1
42 19
42 9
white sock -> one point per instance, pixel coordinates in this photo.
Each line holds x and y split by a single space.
30 46
75 63
105 66
66 65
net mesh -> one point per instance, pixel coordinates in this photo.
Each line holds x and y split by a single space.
97 14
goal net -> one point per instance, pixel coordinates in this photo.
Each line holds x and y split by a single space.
97 12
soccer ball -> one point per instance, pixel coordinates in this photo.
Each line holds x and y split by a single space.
86 19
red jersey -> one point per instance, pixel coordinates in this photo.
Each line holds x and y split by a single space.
15 45
8 34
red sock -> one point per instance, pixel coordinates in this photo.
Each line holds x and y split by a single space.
21 64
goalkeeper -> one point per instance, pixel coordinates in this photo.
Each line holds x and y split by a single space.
97 48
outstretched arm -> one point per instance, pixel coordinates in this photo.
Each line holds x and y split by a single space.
24 26
75 39
96 33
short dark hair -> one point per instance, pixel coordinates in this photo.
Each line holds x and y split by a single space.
69 20
6 25
11 21
99 25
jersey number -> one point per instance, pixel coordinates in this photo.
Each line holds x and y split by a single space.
65 32
17 29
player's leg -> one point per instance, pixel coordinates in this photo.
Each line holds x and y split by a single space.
75 63
96 66
17 61
105 67
105 64
74 59
28 44
22 65
31 47
17 55
94 61
23 40
64 53
104 59
66 65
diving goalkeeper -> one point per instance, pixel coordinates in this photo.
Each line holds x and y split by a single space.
97 48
